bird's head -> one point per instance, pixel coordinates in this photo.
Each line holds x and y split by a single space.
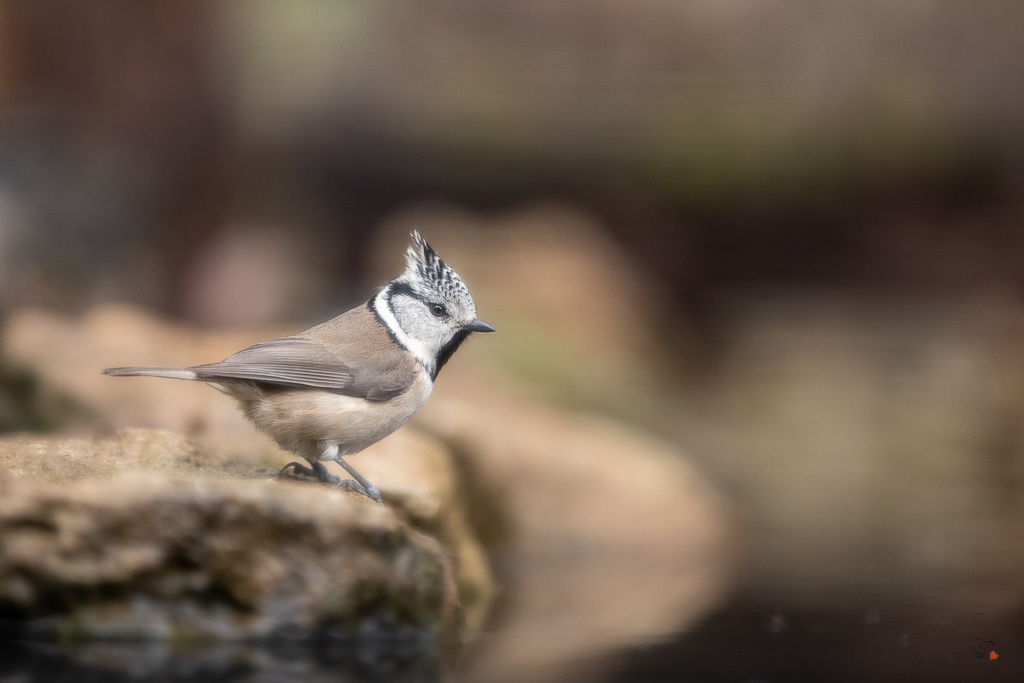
431 306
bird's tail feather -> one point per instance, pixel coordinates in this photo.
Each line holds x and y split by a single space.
171 373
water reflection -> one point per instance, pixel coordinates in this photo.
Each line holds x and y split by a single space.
747 640
400 662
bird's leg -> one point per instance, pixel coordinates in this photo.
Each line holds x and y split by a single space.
318 472
368 489
330 451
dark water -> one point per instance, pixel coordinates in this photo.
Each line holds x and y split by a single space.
743 642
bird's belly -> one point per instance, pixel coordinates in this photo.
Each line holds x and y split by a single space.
298 419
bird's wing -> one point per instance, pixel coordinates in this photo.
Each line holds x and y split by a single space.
307 363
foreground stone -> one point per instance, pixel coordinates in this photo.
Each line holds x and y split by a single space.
119 538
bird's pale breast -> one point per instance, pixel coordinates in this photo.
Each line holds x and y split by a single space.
298 419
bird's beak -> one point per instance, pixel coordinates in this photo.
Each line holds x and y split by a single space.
478 326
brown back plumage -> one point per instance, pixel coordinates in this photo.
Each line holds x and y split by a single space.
351 354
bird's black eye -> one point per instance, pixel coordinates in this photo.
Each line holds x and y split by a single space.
437 310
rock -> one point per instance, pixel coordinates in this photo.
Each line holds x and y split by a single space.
62 460
120 538
419 478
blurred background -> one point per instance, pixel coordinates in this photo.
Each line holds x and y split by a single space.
786 236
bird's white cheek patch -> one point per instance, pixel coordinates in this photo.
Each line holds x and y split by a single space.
417 348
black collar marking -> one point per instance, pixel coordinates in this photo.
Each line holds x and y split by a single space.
447 350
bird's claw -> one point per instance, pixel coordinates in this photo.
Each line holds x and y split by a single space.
299 469
374 493
350 485
355 487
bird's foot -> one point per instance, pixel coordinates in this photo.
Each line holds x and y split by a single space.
356 487
299 469
320 473
372 492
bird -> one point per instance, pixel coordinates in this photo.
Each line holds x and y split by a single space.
333 390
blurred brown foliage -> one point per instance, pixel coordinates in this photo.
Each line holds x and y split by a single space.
722 143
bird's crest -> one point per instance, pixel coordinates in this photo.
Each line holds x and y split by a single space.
426 271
